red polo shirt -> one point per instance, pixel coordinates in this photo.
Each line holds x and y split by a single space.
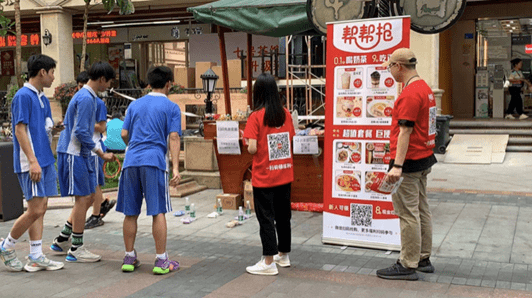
272 164
416 104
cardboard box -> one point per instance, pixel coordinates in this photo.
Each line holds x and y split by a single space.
185 77
230 201
201 68
248 194
234 67
234 74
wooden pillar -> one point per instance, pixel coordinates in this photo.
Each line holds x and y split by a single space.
249 70
225 72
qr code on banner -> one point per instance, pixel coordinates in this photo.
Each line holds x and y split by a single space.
279 145
361 215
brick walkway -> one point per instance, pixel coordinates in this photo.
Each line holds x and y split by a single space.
480 250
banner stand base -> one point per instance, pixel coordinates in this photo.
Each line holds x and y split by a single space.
362 244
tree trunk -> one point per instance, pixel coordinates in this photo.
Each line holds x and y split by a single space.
84 46
18 56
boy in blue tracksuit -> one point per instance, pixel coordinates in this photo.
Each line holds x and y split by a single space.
100 207
76 168
95 220
152 124
33 129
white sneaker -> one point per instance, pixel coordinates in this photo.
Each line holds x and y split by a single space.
282 261
82 255
523 117
42 263
60 248
9 257
262 269
509 116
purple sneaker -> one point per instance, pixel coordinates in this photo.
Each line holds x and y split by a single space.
164 266
130 263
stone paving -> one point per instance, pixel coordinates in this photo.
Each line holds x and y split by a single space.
481 245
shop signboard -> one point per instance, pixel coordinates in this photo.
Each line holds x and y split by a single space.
528 48
433 16
8 63
361 95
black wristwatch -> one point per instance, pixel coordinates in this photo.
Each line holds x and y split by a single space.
397 166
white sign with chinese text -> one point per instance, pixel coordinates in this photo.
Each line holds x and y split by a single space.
228 146
227 137
227 129
306 145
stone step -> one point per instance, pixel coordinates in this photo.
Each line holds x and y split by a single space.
455 124
516 140
492 131
514 148
186 188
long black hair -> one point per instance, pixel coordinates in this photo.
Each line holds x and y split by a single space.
266 95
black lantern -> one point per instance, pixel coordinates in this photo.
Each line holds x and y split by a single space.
209 85
47 37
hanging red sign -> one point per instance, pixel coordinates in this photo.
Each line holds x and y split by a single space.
25 40
528 48
96 37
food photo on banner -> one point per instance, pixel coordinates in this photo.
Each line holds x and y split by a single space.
357 204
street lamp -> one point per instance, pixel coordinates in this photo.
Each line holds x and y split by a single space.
209 84
47 37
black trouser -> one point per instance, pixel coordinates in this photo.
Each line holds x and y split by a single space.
516 102
272 207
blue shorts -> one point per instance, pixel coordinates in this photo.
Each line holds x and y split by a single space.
77 176
42 189
98 166
143 182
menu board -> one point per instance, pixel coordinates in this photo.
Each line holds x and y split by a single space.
357 207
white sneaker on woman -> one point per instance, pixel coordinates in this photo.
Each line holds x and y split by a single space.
282 261
509 116
262 269
523 117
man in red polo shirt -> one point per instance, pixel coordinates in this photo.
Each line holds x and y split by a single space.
411 142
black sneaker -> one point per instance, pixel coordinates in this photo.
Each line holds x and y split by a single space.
425 266
107 205
93 222
397 271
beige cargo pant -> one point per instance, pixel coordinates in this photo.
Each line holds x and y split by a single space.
411 205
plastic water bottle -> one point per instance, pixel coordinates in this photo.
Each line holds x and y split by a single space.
192 210
187 205
240 214
219 207
248 208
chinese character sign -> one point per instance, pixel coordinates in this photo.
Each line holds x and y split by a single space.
25 40
358 124
7 59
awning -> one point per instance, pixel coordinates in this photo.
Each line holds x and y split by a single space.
276 18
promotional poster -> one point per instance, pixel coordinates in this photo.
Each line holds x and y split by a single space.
357 205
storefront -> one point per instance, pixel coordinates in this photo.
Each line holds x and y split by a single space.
132 51
479 48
